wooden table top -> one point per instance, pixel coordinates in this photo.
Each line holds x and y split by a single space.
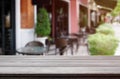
59 65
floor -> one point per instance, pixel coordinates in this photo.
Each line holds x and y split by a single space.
116 28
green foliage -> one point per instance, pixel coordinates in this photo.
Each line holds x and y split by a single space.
116 10
105 28
101 44
43 23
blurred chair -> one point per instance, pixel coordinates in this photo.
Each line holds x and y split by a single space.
78 40
49 44
34 43
61 45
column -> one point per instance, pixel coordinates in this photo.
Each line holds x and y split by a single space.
74 17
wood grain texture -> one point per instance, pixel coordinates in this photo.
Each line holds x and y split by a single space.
59 65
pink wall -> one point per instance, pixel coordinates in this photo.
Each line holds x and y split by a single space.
74 19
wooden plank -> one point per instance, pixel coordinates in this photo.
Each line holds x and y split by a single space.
49 64
60 70
59 65
62 57
61 61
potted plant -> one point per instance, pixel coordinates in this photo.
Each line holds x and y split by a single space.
43 28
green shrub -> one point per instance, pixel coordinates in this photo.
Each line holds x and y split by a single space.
43 23
100 44
106 29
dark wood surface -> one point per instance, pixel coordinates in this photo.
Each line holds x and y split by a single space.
63 67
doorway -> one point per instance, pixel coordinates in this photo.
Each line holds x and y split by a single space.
7 27
61 18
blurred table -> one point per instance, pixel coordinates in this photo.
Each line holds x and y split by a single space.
32 50
71 41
